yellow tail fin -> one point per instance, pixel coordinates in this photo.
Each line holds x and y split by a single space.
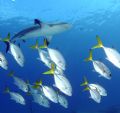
45 45
27 82
38 83
85 83
86 89
99 45
36 46
7 90
11 74
51 71
7 39
90 57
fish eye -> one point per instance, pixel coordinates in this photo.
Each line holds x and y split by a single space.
18 56
110 75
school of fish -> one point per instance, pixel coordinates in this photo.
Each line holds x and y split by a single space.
43 94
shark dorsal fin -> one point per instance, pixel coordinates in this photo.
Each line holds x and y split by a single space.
37 22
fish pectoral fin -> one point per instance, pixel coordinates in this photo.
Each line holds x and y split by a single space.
107 59
9 52
54 86
39 59
99 75
93 70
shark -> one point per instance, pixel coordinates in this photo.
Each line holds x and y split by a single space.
40 29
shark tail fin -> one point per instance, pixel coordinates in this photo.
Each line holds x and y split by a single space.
99 45
45 45
90 58
51 71
85 83
36 46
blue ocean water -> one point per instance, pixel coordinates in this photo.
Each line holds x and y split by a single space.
88 19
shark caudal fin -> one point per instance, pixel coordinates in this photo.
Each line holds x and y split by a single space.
36 46
99 45
90 58
51 71
85 83
45 45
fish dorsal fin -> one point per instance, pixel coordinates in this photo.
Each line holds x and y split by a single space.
90 56
37 22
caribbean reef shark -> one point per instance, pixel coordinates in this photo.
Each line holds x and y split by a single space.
41 29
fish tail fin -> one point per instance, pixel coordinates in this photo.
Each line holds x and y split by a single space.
86 89
28 93
85 83
36 46
27 82
11 74
7 39
7 90
37 84
90 58
99 45
7 42
45 45
51 71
